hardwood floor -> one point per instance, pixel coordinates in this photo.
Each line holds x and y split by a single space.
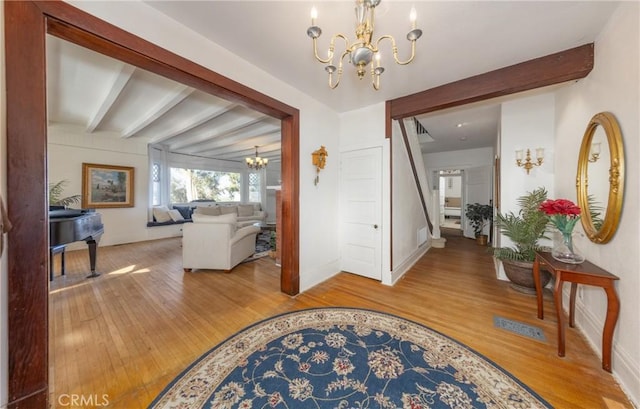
125 335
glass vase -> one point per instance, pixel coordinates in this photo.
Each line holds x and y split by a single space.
564 250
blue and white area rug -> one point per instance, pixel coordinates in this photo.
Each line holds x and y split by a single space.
344 358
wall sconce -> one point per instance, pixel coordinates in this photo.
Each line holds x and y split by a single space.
319 159
527 164
595 152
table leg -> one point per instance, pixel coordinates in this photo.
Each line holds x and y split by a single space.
536 280
62 262
613 309
557 295
92 258
572 305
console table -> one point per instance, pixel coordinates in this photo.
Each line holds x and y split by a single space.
584 273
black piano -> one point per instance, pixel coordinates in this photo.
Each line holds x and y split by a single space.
69 225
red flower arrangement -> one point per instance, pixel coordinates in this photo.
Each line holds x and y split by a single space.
563 213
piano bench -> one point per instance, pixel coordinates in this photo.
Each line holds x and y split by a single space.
52 252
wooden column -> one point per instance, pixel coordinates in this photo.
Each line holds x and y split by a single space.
278 226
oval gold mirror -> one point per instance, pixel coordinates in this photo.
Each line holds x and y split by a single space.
600 179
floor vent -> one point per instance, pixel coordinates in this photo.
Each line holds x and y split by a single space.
519 328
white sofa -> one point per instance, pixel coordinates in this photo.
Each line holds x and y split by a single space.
247 213
216 242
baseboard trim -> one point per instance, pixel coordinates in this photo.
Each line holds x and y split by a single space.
319 275
623 369
401 270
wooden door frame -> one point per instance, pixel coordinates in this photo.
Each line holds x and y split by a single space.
26 25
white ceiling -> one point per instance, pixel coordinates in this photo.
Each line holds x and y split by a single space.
460 39
105 97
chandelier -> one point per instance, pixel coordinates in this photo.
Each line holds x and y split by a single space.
362 51
257 162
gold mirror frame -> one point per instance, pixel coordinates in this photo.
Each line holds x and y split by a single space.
616 178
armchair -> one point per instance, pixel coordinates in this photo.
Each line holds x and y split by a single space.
215 242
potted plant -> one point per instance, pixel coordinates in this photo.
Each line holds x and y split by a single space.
479 215
525 229
57 199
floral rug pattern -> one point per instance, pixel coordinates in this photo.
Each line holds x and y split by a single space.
344 358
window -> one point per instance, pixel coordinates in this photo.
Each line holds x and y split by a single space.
156 199
194 184
254 187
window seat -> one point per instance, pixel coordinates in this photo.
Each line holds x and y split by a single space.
169 223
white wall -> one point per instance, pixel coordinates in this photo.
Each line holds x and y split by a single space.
408 214
364 128
527 123
612 86
319 206
68 147
452 186
464 159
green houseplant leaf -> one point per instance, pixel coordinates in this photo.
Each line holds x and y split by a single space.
57 199
524 228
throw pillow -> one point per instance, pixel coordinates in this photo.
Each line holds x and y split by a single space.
208 211
175 215
245 210
185 211
229 210
161 214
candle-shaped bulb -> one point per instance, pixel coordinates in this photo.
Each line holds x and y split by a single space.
519 154
314 15
539 153
377 59
412 17
595 148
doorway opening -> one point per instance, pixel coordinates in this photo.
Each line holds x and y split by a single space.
450 200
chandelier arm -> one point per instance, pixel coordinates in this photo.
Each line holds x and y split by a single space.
315 52
332 47
394 48
339 75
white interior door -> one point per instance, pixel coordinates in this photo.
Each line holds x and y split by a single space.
477 189
361 212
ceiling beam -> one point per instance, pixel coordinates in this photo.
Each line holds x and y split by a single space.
221 131
193 122
251 152
239 135
165 105
119 82
552 69
245 144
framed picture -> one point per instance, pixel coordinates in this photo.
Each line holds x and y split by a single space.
105 186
